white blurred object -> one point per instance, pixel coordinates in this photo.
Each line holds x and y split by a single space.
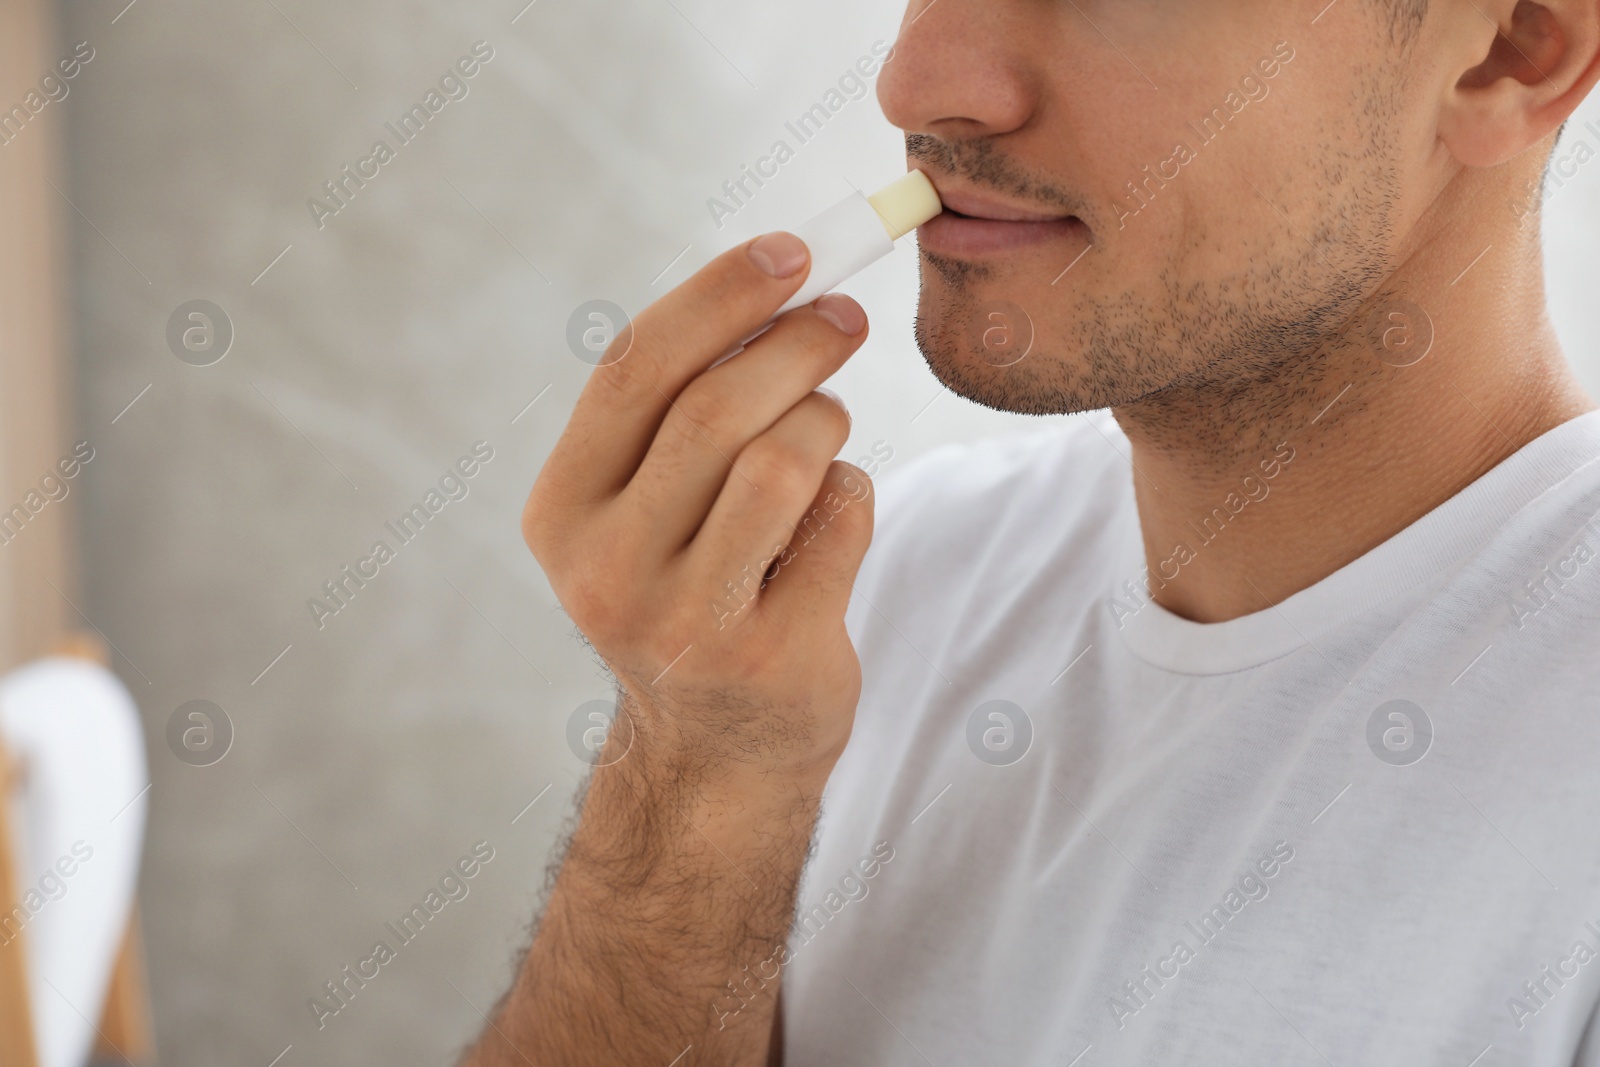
77 827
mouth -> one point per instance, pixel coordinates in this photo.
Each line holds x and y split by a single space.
973 226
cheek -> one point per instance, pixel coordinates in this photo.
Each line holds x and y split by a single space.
1219 201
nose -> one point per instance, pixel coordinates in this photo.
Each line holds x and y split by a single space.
959 70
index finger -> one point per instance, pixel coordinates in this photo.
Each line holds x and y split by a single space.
666 347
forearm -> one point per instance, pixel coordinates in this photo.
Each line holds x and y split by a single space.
665 926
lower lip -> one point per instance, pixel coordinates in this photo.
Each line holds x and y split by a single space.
958 235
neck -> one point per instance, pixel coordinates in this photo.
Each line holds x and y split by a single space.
1249 493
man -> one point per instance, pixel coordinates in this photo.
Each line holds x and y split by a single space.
1253 722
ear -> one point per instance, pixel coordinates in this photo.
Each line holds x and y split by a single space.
1532 63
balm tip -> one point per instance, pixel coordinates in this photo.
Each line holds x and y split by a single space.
905 204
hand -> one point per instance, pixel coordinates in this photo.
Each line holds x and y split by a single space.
678 486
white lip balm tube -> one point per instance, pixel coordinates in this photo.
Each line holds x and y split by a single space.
860 230
857 232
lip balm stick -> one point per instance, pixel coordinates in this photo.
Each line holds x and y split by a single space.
857 232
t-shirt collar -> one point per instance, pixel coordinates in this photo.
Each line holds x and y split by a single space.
1435 543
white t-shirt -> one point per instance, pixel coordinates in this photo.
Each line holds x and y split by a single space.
1359 828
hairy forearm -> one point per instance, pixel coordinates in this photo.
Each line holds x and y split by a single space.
661 929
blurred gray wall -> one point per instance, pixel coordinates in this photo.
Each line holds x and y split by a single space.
370 353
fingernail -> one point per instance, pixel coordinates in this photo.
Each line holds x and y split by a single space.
778 254
837 399
843 312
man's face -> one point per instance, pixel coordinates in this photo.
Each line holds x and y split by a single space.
1225 183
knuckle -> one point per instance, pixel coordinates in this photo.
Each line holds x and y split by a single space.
533 531
549 515
628 379
592 570
855 484
779 466
537 530
706 411
817 520
600 606
855 521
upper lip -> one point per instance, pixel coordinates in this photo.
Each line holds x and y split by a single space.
978 206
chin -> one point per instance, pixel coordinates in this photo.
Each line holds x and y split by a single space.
1037 384
992 351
